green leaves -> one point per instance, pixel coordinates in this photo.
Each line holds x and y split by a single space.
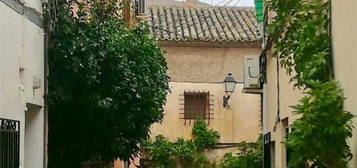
320 135
302 44
161 152
204 137
107 85
250 156
191 153
186 153
300 32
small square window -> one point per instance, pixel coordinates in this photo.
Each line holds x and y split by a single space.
196 105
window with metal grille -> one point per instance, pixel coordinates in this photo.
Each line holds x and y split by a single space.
197 105
9 143
140 7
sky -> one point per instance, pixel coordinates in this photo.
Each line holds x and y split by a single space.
229 2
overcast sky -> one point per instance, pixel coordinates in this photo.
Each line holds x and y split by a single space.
229 2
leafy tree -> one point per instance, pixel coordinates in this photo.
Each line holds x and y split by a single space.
301 40
107 84
302 43
319 138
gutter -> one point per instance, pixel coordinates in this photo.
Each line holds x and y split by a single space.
30 13
253 44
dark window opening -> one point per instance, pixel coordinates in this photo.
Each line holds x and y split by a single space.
287 151
9 143
197 105
267 159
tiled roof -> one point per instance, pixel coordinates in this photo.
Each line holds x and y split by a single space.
207 24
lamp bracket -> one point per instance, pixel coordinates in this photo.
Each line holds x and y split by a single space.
226 102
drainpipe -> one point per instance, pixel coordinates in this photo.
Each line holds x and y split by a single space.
331 65
277 120
45 97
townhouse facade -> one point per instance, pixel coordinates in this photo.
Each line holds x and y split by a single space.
279 94
22 85
203 45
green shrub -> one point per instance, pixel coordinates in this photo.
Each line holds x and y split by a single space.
204 137
186 153
249 156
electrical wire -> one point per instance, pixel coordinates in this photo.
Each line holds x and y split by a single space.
235 4
220 2
229 2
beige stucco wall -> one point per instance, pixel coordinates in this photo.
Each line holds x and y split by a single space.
344 34
206 64
21 56
288 96
239 123
204 69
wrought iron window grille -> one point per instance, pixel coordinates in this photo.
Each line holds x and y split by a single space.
196 105
9 143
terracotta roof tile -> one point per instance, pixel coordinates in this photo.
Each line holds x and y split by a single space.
211 24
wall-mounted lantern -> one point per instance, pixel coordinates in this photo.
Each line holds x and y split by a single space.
229 85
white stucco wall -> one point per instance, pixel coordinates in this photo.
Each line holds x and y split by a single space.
22 58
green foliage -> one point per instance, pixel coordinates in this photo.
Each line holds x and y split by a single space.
300 32
204 137
323 129
187 153
301 39
201 161
107 86
161 152
249 156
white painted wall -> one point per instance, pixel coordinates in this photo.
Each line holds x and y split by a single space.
22 58
33 139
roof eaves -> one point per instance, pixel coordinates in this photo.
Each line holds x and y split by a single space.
235 44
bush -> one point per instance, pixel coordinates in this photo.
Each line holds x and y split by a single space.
249 156
204 137
186 153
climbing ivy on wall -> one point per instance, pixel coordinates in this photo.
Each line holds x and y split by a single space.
250 155
300 31
161 153
186 153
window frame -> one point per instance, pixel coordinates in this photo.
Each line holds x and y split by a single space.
199 101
